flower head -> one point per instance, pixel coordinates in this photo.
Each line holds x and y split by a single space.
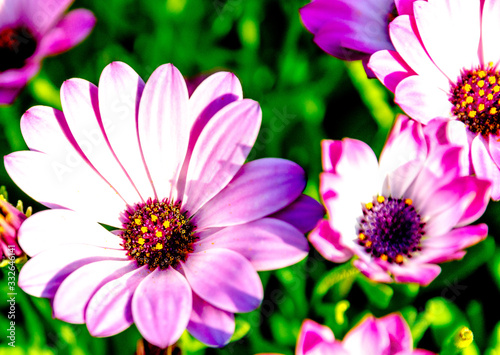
389 335
191 224
445 64
352 30
31 30
11 219
404 215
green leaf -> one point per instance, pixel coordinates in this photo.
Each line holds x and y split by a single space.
378 294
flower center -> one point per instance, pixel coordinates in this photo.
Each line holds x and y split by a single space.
476 100
16 45
390 229
158 234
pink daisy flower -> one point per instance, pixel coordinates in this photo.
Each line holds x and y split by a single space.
389 335
191 224
401 216
446 64
352 30
31 30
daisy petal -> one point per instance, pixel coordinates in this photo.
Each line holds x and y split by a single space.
389 68
260 188
161 307
317 339
366 335
328 243
267 243
209 324
78 288
304 213
42 275
484 165
110 309
41 15
490 27
398 331
48 229
220 151
164 128
225 279
422 274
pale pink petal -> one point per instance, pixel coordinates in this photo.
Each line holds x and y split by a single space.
422 274
42 275
260 188
398 331
11 12
372 271
422 100
161 307
450 44
317 339
71 30
109 311
328 243
366 335
490 28
303 213
164 127
458 238
389 68
267 243
406 40
48 229
120 91
80 102
210 325
42 15
220 151
65 181
76 290
484 166
225 279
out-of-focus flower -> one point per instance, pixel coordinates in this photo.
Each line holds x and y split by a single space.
11 219
389 335
404 215
192 224
31 30
352 30
443 68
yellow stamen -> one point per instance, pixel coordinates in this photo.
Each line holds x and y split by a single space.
380 199
490 97
399 258
496 88
159 234
383 257
361 236
472 114
144 229
492 80
369 205
480 83
138 221
154 218
480 107
140 241
493 110
467 88
159 246
368 243
469 99
408 201
166 224
481 92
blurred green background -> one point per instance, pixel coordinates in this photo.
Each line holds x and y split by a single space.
306 96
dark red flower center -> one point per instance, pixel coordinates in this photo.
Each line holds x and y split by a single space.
390 229
16 45
158 234
476 100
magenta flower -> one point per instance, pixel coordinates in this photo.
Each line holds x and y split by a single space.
352 30
31 30
191 223
442 68
404 215
389 335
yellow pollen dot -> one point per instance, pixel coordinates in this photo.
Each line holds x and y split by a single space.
469 99
138 221
480 83
492 80
368 243
159 246
493 110
383 257
481 73
154 218
467 87
480 107
472 114
159 234
369 205
144 229
380 199
496 88
464 103
490 97
490 64
399 258
408 201
166 224
361 236
140 241
481 92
